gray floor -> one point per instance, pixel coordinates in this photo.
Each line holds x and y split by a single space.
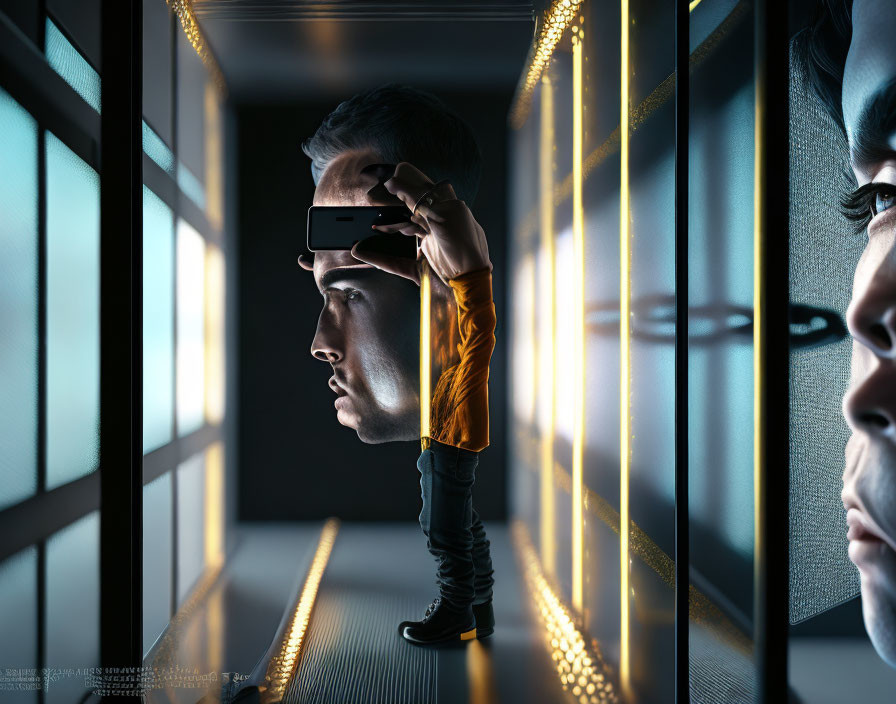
837 670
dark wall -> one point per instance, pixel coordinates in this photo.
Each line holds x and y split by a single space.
296 461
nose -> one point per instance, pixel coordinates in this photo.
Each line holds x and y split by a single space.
870 406
871 317
327 343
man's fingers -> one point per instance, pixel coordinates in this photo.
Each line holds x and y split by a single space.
400 266
405 228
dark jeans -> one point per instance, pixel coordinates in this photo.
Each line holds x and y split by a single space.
454 532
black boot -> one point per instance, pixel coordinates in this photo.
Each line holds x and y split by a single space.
440 624
485 619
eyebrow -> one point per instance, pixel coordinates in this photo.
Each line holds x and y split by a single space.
871 140
331 276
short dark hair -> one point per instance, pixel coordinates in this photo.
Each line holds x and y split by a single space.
401 123
822 47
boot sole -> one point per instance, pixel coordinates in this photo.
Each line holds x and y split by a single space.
466 635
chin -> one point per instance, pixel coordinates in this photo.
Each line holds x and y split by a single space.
879 612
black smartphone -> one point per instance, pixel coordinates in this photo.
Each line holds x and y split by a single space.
340 227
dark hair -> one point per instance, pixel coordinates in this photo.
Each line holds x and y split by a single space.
401 123
822 47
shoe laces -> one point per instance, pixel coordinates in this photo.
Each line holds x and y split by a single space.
432 607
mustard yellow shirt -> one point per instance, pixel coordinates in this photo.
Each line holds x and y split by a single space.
459 410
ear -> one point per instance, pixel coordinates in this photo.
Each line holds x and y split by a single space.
306 261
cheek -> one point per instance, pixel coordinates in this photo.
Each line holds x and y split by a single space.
385 364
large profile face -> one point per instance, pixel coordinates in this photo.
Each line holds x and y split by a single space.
368 326
869 480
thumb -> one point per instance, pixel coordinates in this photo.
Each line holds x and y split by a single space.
400 266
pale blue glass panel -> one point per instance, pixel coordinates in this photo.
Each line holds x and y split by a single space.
157 150
18 616
190 329
158 321
73 605
18 293
190 524
68 63
156 558
73 309
190 185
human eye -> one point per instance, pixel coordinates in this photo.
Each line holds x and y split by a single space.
866 202
884 198
352 294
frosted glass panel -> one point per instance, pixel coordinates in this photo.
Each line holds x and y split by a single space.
73 67
73 600
214 334
190 329
157 150
18 291
73 308
190 524
18 614
156 558
158 321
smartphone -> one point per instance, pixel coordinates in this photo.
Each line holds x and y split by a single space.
340 227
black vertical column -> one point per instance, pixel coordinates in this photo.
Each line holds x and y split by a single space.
682 513
121 337
772 596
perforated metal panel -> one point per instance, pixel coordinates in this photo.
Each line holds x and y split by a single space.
823 257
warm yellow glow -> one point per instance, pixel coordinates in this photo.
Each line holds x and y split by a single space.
624 355
214 159
215 374
184 11
578 235
693 4
283 665
481 675
556 19
214 504
547 363
425 354
215 631
578 662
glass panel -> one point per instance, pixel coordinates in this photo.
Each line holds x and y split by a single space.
190 120
157 78
157 565
18 291
190 185
80 19
73 601
190 329
73 233
157 150
73 67
18 616
158 321
191 517
214 335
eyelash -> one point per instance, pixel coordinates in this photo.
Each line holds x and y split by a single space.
860 206
351 294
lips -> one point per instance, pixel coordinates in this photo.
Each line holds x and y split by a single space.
858 530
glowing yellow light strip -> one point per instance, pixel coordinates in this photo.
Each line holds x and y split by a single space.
580 664
425 355
555 21
693 4
184 11
624 353
546 346
283 666
578 236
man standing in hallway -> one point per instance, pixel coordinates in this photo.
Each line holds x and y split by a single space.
368 328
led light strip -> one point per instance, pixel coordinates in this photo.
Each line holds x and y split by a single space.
283 666
580 665
425 354
625 381
184 11
546 349
556 19
578 236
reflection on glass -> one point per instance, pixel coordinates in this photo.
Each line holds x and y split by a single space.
18 613
157 150
156 558
18 291
158 321
73 309
190 329
190 524
214 505
72 606
74 68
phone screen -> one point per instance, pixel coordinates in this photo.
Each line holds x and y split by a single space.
338 227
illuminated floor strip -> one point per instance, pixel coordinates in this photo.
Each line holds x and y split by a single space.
579 664
283 666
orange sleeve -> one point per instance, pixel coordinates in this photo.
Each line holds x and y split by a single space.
459 415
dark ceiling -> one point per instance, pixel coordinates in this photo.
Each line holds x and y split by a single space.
288 50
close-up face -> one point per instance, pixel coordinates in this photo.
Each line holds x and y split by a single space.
368 326
869 481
